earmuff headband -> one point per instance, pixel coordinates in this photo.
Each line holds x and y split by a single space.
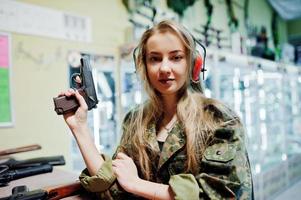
199 65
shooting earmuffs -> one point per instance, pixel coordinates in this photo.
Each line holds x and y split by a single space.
197 67
199 62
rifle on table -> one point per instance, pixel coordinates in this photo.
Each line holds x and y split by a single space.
8 175
52 160
52 193
20 149
16 169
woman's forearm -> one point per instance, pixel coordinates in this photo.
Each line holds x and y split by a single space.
90 154
151 190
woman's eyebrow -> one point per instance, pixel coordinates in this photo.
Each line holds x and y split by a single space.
176 51
154 53
171 52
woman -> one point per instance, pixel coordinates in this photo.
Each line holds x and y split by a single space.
178 144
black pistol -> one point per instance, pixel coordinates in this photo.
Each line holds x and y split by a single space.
64 104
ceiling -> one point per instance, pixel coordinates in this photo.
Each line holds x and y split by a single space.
287 9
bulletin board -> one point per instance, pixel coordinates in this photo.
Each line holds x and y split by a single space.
6 118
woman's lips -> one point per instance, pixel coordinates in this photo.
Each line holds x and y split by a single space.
166 81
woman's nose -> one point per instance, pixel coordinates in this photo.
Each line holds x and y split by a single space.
165 66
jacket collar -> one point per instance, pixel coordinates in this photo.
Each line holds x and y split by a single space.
174 141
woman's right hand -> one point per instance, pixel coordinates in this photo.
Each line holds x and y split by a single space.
77 122
78 119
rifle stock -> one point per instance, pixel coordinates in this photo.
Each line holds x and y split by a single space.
64 191
20 149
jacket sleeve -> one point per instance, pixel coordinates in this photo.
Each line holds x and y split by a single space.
105 183
224 169
102 180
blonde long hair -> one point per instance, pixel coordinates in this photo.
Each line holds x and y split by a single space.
199 115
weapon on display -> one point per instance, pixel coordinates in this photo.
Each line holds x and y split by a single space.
53 193
214 43
13 169
64 104
153 9
51 160
138 24
8 175
143 16
20 149
153 14
209 34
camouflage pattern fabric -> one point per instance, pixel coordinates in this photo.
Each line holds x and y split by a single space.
224 169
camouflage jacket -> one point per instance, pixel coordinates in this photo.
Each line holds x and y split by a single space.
225 169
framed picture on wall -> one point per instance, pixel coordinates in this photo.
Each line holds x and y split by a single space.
6 116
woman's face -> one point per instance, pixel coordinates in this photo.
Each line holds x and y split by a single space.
166 62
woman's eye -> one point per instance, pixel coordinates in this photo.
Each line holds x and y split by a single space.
177 58
154 59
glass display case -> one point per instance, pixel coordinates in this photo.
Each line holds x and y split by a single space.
131 87
265 95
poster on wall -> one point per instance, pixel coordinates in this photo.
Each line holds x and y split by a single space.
26 18
5 66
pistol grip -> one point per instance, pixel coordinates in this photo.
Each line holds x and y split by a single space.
64 104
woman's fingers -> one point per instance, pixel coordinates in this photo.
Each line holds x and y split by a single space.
120 160
81 100
79 97
70 92
78 80
67 93
115 170
121 155
116 164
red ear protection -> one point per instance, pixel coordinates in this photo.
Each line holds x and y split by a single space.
197 68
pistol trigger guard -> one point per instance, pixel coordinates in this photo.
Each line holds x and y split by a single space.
73 78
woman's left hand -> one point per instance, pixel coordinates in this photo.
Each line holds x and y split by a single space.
126 171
